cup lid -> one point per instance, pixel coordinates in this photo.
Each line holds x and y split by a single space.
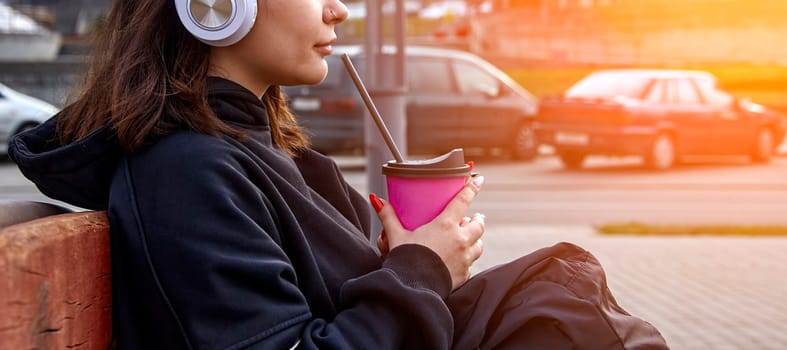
447 165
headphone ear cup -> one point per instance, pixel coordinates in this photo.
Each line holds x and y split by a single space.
217 22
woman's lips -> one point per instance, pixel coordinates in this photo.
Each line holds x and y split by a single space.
325 50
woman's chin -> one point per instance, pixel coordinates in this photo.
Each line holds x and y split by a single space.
319 73
313 79
306 75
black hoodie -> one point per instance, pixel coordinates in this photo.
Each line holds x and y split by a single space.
226 244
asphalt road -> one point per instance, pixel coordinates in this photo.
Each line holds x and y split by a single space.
711 191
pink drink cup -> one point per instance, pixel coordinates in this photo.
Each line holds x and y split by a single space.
420 190
418 201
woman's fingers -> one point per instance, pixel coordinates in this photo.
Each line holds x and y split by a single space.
477 250
395 234
453 236
382 243
475 227
461 202
386 213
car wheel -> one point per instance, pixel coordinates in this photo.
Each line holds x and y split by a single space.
662 153
763 150
525 145
572 160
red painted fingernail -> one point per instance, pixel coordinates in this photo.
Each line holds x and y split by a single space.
471 165
377 203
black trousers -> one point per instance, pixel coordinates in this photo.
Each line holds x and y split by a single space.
554 298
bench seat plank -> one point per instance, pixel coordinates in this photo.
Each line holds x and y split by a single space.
55 283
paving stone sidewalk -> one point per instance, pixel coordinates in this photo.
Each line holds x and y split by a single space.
701 292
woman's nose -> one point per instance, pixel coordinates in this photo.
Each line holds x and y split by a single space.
336 12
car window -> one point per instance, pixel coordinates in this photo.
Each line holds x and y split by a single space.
712 95
719 98
656 93
609 85
429 76
473 80
683 92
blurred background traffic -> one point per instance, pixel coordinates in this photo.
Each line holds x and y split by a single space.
502 60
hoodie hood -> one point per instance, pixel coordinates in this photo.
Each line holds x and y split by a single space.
80 173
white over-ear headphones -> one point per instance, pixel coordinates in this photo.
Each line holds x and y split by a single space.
217 22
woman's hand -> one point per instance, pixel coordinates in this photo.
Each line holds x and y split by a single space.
454 237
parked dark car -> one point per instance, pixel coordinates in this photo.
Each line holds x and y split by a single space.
454 99
661 115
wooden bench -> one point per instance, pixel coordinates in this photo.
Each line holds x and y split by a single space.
55 278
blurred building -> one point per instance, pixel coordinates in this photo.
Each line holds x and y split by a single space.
24 39
644 32
69 17
41 46
505 4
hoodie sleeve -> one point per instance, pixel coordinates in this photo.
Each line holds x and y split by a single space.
211 247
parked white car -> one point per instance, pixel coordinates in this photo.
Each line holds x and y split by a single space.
19 112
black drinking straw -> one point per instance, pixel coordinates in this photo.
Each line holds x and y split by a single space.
372 109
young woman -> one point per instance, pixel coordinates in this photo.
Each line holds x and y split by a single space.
228 232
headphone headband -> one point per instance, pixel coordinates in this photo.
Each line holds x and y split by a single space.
217 22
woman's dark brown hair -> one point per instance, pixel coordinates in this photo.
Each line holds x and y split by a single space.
148 77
